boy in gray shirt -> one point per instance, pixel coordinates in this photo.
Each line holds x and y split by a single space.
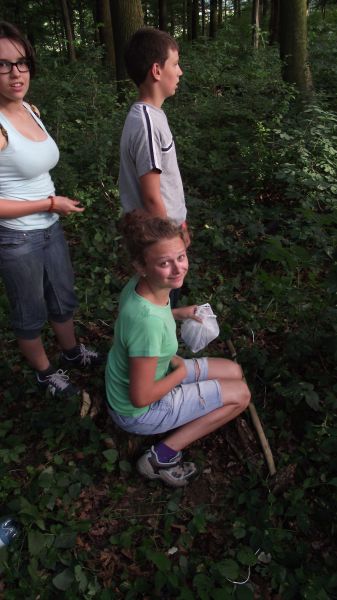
149 177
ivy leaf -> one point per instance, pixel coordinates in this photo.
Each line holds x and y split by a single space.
125 466
66 540
37 542
312 399
243 592
229 569
203 584
81 578
111 455
160 560
63 580
46 478
247 557
222 594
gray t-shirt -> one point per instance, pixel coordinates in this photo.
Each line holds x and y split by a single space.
146 145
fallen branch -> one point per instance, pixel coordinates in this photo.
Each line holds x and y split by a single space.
256 421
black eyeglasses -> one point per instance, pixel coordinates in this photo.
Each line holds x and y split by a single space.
22 65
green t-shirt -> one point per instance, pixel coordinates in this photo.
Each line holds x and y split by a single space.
141 329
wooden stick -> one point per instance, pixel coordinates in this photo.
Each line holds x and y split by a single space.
256 420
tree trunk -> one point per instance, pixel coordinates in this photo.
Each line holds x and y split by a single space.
68 31
195 19
189 19
219 13
104 25
162 10
237 8
57 28
255 23
127 17
81 21
146 12
265 8
172 21
203 17
274 22
293 44
213 19
184 19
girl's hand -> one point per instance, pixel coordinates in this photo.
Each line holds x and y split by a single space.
178 363
64 205
186 312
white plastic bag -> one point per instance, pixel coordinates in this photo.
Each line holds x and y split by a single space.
198 335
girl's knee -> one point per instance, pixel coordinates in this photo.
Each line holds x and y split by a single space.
236 393
229 368
244 396
234 370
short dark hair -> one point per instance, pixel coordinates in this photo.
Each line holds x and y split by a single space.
140 232
11 32
146 47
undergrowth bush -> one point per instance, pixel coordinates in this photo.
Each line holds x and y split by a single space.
260 176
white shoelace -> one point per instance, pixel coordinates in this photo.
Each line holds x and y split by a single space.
59 380
86 355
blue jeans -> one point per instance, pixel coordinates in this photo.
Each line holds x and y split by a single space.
195 397
36 269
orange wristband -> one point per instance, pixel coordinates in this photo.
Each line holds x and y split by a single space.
52 202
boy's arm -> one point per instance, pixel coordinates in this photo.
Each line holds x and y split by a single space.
151 196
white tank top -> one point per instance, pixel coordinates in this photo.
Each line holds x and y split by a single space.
24 173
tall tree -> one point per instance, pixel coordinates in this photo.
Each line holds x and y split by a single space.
322 4
265 7
68 30
237 8
255 23
172 20
213 18
127 17
203 17
162 12
189 19
195 19
274 22
219 13
293 44
104 25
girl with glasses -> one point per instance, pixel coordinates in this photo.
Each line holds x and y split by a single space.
34 259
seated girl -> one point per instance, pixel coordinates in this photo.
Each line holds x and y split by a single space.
151 390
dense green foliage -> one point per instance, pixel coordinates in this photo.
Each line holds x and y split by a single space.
259 169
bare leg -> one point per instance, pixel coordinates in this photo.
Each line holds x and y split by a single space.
65 334
222 368
34 353
236 396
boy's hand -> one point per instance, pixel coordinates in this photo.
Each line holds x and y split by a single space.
186 312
